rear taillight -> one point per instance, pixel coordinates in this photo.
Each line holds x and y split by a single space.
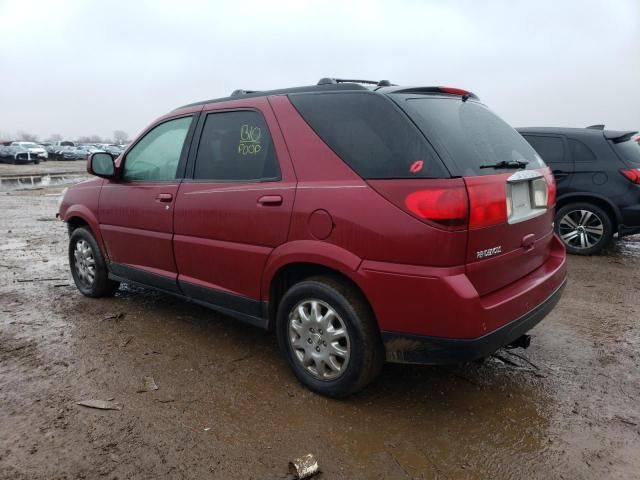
445 206
487 200
632 174
551 187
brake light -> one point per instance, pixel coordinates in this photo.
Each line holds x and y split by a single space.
487 200
454 91
446 206
551 186
632 174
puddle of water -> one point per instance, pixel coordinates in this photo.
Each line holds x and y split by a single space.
29 182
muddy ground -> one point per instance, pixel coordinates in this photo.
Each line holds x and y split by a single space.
227 407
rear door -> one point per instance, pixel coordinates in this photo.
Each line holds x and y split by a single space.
136 211
509 186
236 206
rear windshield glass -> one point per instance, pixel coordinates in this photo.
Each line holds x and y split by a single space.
370 134
469 135
630 150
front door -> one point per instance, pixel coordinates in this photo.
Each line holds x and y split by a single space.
236 207
136 211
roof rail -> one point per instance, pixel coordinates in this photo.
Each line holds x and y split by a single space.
240 91
596 127
328 81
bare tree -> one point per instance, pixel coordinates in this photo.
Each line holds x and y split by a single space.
55 137
120 136
84 139
27 137
95 139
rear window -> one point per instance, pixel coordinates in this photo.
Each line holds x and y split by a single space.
370 134
468 134
629 150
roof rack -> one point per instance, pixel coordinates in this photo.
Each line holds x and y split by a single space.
240 91
379 83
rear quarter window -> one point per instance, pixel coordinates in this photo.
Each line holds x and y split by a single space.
368 132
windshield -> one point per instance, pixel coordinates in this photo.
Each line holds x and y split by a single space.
469 136
630 150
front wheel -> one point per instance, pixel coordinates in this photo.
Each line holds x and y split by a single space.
329 337
88 267
584 228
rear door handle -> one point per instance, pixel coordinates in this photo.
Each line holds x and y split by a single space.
270 200
164 197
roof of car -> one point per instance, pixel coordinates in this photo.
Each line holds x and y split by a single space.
596 131
333 84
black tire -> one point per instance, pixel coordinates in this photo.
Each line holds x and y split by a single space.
366 352
583 243
101 285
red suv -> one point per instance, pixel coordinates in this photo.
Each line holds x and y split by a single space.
361 222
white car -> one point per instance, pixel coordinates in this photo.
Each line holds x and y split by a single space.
34 149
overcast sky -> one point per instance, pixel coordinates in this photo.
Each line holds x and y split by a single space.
88 67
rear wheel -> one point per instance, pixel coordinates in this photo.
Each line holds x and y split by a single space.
329 337
584 228
88 267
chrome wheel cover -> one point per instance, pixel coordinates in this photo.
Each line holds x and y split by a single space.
84 263
319 339
581 229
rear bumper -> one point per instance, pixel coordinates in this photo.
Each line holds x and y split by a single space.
404 348
442 303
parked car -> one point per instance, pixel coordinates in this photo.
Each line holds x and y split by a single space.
598 176
56 148
73 153
16 154
324 213
34 149
114 150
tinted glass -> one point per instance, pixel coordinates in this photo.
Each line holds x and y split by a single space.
157 155
630 151
580 152
551 149
468 134
236 146
370 134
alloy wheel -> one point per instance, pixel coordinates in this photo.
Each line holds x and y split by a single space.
581 229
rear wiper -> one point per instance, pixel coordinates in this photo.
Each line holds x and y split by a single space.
505 164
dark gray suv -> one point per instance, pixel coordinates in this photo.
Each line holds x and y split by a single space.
597 173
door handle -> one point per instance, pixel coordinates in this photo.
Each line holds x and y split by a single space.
164 197
270 200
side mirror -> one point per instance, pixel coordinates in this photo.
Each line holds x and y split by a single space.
101 164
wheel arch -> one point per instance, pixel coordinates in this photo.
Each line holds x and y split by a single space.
298 260
80 216
598 200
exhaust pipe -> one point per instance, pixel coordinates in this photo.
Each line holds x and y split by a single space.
521 342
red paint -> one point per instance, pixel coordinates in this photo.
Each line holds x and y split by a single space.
410 245
320 224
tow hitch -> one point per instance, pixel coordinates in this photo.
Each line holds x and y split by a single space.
521 342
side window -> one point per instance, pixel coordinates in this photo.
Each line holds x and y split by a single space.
551 149
580 152
369 134
236 146
156 156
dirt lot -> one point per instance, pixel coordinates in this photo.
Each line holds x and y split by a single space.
227 407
